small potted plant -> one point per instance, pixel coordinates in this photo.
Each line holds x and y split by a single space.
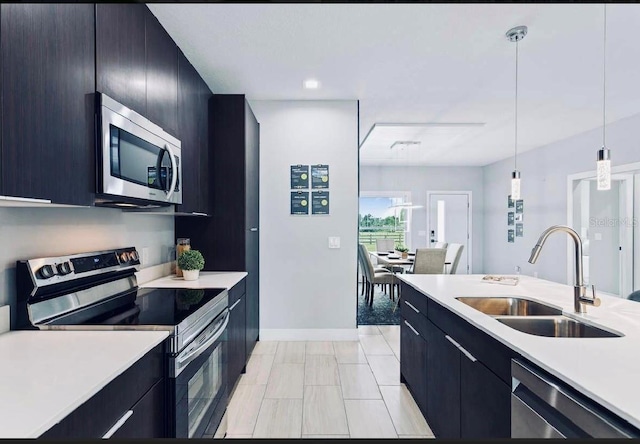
403 251
191 262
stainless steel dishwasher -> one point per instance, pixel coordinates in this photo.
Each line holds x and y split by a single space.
543 407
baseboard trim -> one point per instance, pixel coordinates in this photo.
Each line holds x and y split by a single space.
309 334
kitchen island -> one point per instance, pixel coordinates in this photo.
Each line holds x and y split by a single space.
602 369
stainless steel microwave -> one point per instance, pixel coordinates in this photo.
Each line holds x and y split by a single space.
139 164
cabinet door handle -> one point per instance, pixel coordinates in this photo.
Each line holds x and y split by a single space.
450 339
411 327
118 425
196 213
234 304
461 348
468 355
254 229
412 307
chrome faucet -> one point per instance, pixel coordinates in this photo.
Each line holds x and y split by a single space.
580 298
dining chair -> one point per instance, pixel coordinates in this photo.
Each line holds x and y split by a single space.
454 253
635 296
429 261
440 245
372 277
385 245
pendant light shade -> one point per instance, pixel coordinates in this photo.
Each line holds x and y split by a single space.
515 35
603 165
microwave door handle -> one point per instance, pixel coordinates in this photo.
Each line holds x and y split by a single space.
174 169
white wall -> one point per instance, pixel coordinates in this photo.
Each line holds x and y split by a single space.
418 180
27 233
308 291
544 190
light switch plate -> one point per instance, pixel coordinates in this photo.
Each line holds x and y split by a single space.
334 242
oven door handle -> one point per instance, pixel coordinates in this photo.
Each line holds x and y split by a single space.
174 169
206 344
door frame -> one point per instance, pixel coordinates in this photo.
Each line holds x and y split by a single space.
620 170
469 195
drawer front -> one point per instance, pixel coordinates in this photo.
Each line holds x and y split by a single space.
147 419
98 414
237 291
415 319
493 354
415 298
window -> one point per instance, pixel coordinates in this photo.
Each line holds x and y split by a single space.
383 217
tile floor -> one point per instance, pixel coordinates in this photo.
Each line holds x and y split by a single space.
326 390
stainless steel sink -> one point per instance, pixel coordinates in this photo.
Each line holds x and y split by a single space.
509 306
557 327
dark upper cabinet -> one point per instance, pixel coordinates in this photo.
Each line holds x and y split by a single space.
162 76
137 62
120 53
48 83
193 99
234 179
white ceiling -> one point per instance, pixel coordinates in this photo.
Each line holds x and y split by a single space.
425 63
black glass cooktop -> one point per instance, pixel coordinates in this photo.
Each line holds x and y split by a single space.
156 306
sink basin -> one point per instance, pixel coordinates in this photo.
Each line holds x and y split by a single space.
557 327
509 306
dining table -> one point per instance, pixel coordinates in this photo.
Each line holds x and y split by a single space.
395 261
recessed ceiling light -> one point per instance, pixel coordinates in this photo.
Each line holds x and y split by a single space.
311 84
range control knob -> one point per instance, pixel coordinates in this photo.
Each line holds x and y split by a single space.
64 268
133 255
124 257
45 272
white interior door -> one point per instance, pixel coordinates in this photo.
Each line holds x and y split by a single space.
449 221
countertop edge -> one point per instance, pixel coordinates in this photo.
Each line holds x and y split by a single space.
207 280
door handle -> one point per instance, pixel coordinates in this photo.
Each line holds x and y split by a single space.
461 348
174 168
253 229
234 304
411 327
119 423
412 307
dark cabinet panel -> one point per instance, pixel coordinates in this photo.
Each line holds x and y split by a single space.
486 403
120 53
443 382
148 418
193 96
48 85
237 342
413 362
252 168
253 291
161 75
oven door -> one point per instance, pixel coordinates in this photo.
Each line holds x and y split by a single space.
197 382
139 160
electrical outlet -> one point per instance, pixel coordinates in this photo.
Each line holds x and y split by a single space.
145 256
518 269
334 242
535 274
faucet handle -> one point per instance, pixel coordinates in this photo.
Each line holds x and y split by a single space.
596 300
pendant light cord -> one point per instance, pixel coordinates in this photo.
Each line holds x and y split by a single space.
515 159
604 80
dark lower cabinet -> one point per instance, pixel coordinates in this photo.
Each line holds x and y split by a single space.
140 390
486 402
443 379
237 356
413 362
47 63
147 419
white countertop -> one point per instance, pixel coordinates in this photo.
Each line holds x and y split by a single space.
207 279
605 369
45 375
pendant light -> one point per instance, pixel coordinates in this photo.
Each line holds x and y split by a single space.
515 35
603 166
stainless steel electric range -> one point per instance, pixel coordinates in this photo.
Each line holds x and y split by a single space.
98 290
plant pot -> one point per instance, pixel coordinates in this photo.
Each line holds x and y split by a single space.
190 275
404 255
